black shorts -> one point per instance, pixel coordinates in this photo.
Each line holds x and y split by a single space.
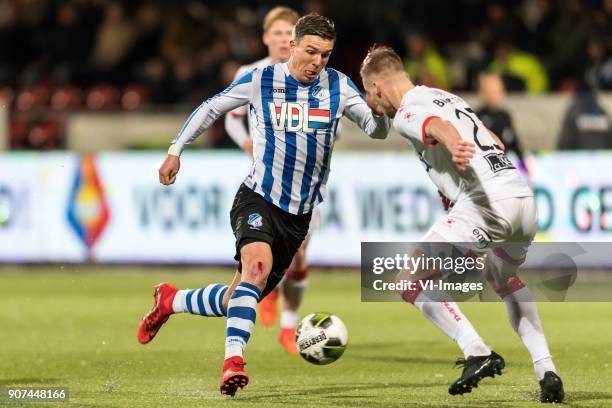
254 219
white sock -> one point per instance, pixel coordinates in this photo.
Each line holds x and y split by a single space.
293 291
542 366
206 301
448 317
179 304
525 320
288 319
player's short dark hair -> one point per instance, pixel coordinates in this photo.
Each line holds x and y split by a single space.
315 24
379 59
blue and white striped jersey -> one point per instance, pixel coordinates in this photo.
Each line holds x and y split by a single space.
293 127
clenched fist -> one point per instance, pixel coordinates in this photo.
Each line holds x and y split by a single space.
169 170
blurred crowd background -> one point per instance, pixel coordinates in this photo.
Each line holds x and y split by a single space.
105 55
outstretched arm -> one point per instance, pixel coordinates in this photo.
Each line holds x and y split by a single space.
237 94
374 124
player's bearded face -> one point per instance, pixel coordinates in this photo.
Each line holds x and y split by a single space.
309 56
277 39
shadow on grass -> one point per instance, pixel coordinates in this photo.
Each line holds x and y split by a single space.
333 395
409 360
26 382
378 345
356 395
575 396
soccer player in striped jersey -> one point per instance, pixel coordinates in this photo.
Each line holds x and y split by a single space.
492 203
277 28
294 109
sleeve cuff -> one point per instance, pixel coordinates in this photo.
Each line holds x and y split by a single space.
175 150
424 136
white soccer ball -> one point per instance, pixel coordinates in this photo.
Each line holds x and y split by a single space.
321 338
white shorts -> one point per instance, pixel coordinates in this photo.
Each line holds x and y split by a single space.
512 221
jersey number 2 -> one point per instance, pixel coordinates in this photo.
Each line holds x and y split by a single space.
482 147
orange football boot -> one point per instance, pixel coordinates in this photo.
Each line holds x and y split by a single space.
287 340
268 309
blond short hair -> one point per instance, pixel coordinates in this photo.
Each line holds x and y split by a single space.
280 13
379 59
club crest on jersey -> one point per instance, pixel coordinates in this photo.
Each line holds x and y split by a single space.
319 92
295 117
255 221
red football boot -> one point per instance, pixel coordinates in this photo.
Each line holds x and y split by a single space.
268 309
287 340
159 313
233 376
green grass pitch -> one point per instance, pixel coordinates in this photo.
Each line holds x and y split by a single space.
76 327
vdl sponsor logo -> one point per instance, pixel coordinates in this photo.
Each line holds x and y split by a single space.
296 117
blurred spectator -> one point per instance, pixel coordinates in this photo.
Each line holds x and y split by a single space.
602 19
599 72
228 72
567 61
540 22
11 35
158 81
68 45
424 63
154 52
520 70
76 42
495 117
501 21
184 32
114 39
147 39
586 124
184 80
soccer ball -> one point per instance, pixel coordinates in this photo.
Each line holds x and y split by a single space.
321 338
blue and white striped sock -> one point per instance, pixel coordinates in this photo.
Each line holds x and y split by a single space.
241 313
206 301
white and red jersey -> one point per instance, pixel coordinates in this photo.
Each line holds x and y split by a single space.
293 126
490 176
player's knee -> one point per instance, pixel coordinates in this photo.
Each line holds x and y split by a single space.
255 272
256 259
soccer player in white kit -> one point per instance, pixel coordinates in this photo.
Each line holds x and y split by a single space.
492 202
277 32
294 110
